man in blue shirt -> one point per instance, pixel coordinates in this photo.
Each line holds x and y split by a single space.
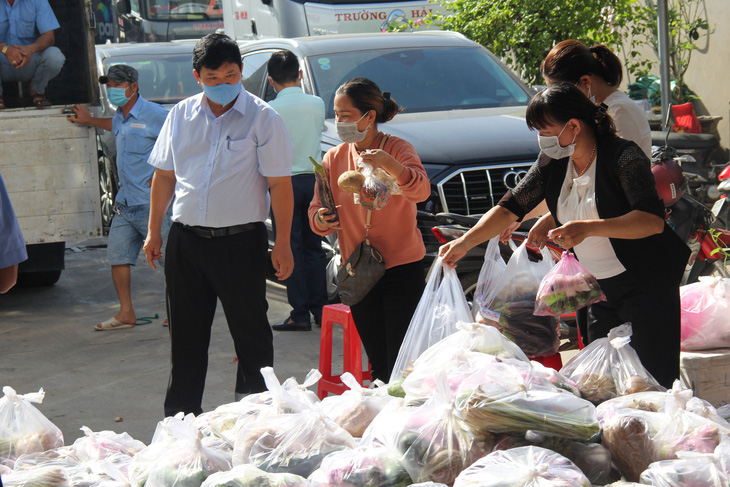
26 44
225 156
135 126
12 244
303 114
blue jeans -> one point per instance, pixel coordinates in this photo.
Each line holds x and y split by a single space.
306 288
42 68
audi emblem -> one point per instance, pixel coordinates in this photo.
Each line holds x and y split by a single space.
513 178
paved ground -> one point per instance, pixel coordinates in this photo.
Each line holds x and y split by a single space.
92 378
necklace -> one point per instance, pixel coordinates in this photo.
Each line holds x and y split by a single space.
572 167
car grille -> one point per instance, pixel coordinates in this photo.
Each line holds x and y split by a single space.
476 190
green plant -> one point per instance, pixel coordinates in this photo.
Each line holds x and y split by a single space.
688 25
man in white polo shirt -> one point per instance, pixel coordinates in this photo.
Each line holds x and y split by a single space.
219 154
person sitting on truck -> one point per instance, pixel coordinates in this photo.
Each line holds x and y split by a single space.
12 244
225 156
306 288
26 42
135 126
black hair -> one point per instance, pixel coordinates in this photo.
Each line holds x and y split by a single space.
570 59
560 102
214 50
365 95
283 67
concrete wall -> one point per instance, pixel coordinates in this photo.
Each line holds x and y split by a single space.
709 70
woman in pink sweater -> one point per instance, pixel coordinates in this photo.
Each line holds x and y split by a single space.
382 317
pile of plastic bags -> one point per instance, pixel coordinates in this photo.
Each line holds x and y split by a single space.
470 410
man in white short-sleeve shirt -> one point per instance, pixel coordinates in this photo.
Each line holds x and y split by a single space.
225 156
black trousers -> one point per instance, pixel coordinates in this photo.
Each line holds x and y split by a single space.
198 272
382 318
654 314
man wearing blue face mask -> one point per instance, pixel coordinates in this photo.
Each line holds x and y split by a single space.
135 126
226 156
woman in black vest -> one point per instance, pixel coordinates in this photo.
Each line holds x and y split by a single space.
601 192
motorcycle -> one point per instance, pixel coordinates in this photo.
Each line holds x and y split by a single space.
721 208
697 155
691 219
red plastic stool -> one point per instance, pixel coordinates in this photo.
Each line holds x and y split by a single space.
352 361
554 361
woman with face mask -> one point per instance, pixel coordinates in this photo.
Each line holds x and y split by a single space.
598 72
382 317
601 192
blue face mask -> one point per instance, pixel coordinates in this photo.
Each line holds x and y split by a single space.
223 93
117 96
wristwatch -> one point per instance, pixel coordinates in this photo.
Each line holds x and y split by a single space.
5 49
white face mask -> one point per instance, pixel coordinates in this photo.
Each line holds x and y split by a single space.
550 145
349 133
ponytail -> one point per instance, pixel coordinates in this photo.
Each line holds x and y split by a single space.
365 95
608 65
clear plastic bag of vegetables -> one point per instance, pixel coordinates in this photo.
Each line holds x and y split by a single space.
507 398
97 445
527 466
440 308
567 288
23 428
609 367
289 442
448 353
167 433
432 442
488 283
46 476
514 304
688 471
355 409
181 459
366 466
247 475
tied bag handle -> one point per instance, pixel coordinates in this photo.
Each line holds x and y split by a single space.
370 212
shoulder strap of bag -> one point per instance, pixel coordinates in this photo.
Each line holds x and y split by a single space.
384 140
367 226
370 212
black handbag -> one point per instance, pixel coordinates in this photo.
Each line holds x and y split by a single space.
362 270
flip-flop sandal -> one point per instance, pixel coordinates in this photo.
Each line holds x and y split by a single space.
40 101
112 324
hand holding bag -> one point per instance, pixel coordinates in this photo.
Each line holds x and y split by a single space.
362 270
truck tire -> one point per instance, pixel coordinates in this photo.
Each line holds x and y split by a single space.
106 193
38 279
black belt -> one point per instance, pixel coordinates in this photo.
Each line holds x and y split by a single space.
213 232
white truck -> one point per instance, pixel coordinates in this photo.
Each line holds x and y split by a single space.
251 19
51 166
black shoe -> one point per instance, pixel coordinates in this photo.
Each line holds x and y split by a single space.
287 325
318 321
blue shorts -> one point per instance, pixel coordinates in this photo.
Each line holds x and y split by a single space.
128 232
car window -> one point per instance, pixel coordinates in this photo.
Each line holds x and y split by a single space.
186 9
255 73
422 79
164 79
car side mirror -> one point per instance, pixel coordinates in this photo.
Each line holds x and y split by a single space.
123 7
